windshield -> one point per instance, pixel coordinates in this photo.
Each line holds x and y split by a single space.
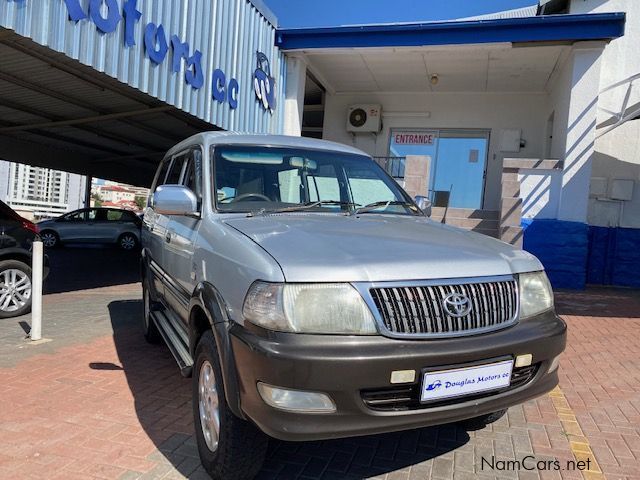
255 179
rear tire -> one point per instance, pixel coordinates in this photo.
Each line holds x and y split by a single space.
237 449
149 328
478 423
15 288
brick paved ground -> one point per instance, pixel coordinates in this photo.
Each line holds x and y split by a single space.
98 402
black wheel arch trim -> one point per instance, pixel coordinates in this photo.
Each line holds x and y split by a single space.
209 300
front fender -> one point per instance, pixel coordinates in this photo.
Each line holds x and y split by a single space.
209 300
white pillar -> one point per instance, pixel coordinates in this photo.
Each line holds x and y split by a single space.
294 96
37 257
580 129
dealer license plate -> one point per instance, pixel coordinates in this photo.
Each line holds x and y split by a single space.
457 382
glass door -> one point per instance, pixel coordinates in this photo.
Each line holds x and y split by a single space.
458 162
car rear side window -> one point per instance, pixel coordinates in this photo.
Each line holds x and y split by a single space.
115 215
129 217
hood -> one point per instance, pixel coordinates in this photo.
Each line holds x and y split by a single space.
313 247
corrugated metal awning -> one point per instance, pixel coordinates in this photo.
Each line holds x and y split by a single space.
57 113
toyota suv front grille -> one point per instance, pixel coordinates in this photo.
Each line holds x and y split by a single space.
446 309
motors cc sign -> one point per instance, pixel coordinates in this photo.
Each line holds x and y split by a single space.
106 15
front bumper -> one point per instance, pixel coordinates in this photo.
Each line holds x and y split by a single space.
345 366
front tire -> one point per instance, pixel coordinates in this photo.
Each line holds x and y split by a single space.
230 448
50 239
15 288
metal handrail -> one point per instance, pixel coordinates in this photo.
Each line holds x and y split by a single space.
622 116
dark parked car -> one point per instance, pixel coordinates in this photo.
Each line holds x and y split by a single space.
16 237
93 225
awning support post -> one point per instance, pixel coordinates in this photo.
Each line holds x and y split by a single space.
87 191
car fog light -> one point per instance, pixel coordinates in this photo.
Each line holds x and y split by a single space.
296 400
554 364
523 360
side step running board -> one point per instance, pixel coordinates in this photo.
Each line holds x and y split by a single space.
174 342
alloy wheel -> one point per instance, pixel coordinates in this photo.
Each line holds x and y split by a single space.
48 239
209 407
128 242
15 289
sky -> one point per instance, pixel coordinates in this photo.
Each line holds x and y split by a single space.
323 13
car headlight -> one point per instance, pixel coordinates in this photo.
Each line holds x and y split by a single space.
536 295
330 308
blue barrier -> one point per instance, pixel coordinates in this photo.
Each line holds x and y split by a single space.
614 256
562 247
574 254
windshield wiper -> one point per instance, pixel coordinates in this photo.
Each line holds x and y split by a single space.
305 206
386 203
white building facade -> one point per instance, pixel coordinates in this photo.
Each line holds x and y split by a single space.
37 192
525 120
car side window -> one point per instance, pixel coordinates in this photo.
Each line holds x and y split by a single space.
176 169
115 215
98 215
78 216
129 217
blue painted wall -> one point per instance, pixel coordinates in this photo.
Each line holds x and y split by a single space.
575 254
614 256
562 247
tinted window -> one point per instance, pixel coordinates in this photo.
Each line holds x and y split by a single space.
115 215
98 215
130 217
78 216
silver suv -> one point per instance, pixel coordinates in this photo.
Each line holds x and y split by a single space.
311 298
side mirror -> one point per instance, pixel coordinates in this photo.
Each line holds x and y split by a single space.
424 204
175 200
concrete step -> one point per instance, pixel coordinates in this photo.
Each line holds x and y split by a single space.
489 233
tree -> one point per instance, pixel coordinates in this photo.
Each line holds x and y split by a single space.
97 199
141 202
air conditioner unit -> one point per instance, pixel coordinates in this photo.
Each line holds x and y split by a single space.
364 118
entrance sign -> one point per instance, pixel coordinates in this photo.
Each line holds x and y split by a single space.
415 138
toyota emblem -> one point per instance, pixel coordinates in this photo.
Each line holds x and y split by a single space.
456 305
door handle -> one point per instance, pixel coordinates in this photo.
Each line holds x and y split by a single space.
167 237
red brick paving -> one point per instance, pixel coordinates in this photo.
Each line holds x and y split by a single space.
114 407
